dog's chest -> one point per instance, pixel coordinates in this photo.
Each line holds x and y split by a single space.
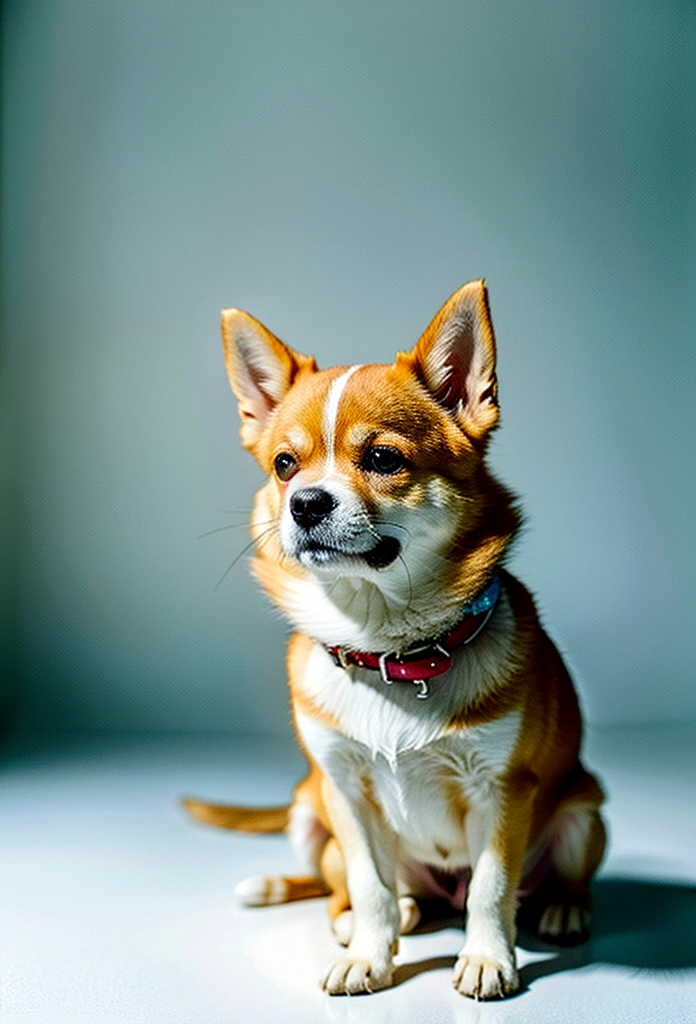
392 720
424 795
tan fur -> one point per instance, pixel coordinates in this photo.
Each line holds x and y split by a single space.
241 819
485 775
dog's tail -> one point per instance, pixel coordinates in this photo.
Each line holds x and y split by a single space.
241 819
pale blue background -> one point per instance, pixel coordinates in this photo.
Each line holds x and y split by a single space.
338 170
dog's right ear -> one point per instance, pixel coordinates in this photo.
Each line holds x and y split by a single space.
261 369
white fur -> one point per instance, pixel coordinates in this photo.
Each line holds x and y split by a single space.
330 416
258 362
376 609
411 785
370 859
390 720
395 750
439 363
262 890
307 836
564 919
486 965
487 891
299 437
409 918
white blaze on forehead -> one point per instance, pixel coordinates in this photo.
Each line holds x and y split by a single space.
331 415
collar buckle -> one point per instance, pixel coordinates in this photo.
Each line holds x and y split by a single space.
338 653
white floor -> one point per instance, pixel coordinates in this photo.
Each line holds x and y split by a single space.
119 909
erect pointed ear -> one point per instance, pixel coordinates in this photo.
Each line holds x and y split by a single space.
455 360
261 369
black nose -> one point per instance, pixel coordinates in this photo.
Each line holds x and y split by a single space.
310 506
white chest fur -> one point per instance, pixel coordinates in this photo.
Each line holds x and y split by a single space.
391 720
425 777
424 793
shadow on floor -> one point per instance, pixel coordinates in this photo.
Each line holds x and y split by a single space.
646 925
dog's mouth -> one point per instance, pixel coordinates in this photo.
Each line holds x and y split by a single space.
385 552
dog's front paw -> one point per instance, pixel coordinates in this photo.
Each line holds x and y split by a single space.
350 976
482 977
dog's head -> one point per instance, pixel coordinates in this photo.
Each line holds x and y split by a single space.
376 473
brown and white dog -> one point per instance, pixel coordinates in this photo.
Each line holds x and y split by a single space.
440 723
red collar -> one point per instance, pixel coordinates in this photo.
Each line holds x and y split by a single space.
434 658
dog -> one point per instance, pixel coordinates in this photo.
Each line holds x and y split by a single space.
440 723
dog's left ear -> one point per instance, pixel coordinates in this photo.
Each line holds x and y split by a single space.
455 360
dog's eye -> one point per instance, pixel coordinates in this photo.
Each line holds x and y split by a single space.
383 459
285 465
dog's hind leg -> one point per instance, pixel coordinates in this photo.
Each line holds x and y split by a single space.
409 917
265 890
333 870
308 838
578 839
340 913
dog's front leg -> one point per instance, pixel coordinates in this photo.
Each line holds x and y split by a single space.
369 850
497 833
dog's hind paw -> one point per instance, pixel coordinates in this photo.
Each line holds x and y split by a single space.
564 923
351 976
342 927
266 890
481 977
409 914
262 890
409 917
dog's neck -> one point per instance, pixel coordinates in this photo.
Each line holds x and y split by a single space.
357 613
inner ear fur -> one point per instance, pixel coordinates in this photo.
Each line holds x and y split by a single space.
455 360
261 369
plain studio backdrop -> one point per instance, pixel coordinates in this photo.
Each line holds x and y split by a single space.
337 170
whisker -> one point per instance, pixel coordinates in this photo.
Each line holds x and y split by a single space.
412 543
219 529
454 544
330 591
378 537
233 526
407 607
255 540
394 526
265 536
